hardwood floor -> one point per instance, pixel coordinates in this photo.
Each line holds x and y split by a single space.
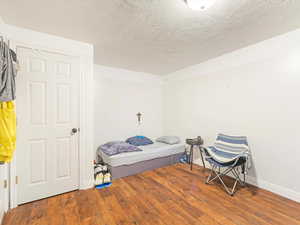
172 195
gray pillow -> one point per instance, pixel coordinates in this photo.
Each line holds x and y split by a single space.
171 140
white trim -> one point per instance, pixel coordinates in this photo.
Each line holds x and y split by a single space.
85 53
13 191
86 126
5 200
6 190
275 188
5 167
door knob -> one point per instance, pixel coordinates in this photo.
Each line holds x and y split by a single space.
74 131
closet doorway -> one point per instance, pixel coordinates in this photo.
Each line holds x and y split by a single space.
48 124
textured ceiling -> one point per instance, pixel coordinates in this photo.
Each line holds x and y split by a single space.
155 36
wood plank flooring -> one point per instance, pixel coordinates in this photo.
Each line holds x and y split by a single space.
171 195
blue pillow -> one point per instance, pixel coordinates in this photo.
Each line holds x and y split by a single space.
139 141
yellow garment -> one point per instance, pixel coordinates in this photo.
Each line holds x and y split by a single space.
7 131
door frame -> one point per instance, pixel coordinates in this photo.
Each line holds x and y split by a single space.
4 178
5 167
85 146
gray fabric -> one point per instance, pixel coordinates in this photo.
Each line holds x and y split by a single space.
139 167
115 148
156 150
109 144
8 74
171 140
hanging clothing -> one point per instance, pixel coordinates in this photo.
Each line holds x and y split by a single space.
8 73
7 131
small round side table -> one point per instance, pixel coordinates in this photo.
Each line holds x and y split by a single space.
195 142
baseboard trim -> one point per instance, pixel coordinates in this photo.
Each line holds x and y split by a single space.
275 188
87 186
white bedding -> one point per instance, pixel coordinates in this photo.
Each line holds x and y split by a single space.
153 151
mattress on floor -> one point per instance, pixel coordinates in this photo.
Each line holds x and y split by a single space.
153 151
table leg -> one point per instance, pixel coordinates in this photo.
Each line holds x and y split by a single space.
192 156
202 157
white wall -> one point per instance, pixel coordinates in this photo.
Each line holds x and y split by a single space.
253 91
119 96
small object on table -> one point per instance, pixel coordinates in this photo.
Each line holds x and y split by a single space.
195 142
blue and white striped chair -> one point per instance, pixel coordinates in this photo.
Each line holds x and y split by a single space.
230 154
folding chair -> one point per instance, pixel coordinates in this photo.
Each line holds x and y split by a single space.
230 154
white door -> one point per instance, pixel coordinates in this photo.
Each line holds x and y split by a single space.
47 111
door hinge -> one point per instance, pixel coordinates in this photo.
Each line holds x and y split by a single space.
17 179
5 183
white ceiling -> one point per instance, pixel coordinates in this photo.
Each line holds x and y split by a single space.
155 36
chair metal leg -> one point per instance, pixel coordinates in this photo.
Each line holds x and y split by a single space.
210 175
244 175
216 171
237 176
203 163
